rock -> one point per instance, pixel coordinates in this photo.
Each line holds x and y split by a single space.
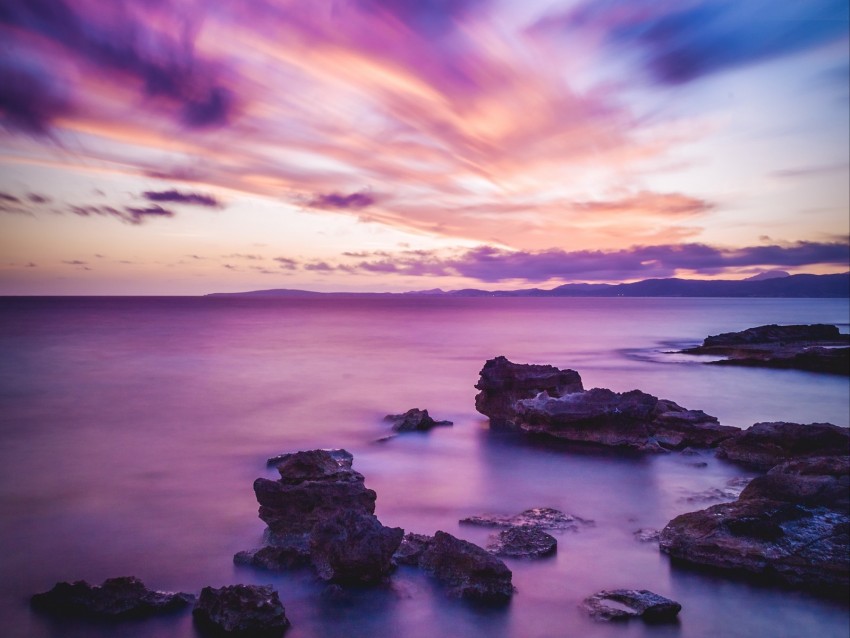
344 458
289 555
241 610
647 535
544 400
354 548
522 542
503 383
124 597
467 570
791 525
414 420
537 517
730 492
622 604
765 444
799 347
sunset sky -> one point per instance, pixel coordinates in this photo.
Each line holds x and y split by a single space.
193 146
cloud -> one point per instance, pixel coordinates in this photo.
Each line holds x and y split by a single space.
286 263
683 41
243 256
649 203
352 201
30 97
37 198
6 197
129 214
488 264
176 197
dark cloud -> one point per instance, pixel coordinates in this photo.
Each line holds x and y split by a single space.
176 197
286 263
6 197
352 201
29 98
75 262
489 264
129 214
114 42
428 17
35 198
682 42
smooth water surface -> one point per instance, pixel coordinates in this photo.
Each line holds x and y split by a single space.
131 430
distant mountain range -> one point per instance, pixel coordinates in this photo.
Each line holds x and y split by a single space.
801 286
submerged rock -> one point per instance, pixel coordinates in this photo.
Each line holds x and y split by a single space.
241 610
320 512
647 534
537 517
766 444
467 571
522 542
790 525
622 604
354 548
414 420
545 400
124 597
800 347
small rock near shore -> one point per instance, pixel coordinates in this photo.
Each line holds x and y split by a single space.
241 610
622 604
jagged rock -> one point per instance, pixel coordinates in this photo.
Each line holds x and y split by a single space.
522 542
467 571
241 610
622 604
766 444
313 486
293 553
791 525
799 347
414 420
730 492
353 548
537 517
344 458
545 400
647 535
503 383
124 597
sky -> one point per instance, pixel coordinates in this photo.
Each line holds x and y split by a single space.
182 147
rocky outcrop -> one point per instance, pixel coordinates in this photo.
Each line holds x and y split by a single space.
522 542
622 604
320 512
545 400
414 420
503 383
344 458
815 348
353 548
790 525
466 570
536 517
241 610
766 444
124 597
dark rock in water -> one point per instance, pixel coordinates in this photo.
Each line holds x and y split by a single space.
766 444
647 535
124 597
791 525
290 555
537 517
503 383
344 458
354 548
622 604
544 400
467 570
313 486
522 542
241 610
414 420
798 347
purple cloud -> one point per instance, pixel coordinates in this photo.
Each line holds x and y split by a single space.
286 263
352 201
129 214
176 197
29 98
36 198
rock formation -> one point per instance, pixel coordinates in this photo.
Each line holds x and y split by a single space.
241 610
522 542
790 525
622 604
414 420
816 348
466 570
544 400
124 597
766 444
536 517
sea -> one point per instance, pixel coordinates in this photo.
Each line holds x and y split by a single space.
132 429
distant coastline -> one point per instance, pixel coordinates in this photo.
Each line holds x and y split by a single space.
792 286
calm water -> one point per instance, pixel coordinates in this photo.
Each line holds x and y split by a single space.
131 431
